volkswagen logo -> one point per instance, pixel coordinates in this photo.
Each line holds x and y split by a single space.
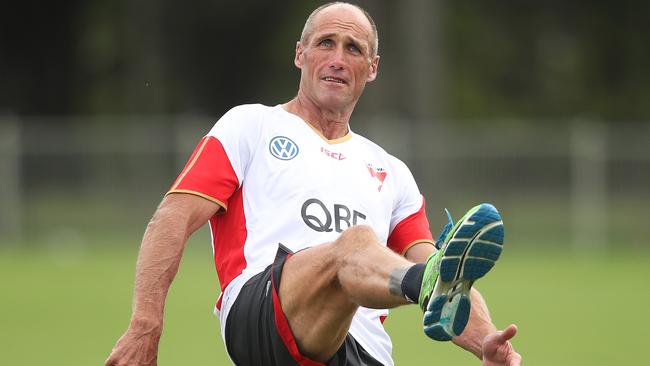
283 148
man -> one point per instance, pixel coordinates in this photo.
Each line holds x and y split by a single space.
301 211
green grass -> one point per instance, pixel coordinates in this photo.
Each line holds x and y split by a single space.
68 305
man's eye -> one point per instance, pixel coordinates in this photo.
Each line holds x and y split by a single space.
354 48
326 43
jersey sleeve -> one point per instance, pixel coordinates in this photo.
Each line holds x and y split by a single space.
218 165
409 224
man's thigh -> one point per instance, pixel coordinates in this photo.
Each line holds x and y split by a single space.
258 332
318 310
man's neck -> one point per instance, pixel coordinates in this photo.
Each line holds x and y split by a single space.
332 124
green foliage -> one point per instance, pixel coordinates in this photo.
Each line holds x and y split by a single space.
497 59
547 59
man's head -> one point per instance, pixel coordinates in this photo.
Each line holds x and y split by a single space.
307 30
337 55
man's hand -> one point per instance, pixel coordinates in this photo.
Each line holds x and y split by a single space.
497 349
137 347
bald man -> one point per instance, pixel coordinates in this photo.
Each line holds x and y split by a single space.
316 230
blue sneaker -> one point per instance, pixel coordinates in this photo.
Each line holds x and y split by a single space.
467 251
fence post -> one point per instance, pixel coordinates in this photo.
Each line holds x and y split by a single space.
10 181
589 186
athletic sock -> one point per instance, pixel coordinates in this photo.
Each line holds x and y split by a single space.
412 282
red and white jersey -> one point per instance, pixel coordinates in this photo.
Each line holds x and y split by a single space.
280 181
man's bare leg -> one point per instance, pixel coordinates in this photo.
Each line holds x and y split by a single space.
323 286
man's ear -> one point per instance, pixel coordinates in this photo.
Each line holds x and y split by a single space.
299 53
374 68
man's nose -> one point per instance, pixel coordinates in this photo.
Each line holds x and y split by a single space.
337 62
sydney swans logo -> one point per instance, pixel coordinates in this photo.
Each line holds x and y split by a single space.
378 173
283 148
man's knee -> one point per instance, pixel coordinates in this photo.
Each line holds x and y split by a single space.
357 237
326 260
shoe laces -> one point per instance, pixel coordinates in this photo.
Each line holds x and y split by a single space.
445 230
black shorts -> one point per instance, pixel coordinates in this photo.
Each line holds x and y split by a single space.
257 332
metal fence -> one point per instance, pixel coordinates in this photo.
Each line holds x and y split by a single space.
580 183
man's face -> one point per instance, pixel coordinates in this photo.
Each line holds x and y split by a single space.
336 60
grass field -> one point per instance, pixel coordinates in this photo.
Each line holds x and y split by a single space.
67 306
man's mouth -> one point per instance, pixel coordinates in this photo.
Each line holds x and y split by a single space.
333 79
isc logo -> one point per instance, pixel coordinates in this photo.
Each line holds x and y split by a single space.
318 217
283 148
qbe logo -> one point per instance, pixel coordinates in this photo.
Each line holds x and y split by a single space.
319 217
283 148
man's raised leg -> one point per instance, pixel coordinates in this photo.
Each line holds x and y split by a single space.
322 287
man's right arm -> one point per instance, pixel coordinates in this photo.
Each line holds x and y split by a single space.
177 217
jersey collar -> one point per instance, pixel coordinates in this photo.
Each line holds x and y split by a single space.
331 142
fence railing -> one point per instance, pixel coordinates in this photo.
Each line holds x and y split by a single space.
579 182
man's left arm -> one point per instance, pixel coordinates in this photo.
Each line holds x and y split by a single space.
480 337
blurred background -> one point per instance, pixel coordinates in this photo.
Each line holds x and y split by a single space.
538 107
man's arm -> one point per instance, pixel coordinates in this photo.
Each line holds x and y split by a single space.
177 217
480 336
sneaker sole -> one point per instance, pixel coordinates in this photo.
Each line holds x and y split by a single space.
475 245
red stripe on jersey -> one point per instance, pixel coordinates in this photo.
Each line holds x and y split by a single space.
382 318
282 325
228 237
411 230
219 301
208 173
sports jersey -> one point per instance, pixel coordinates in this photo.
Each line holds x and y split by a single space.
278 180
